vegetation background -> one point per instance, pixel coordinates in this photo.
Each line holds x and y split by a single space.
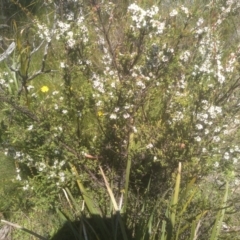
119 119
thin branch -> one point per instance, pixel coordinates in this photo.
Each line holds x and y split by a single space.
24 229
37 48
21 109
9 50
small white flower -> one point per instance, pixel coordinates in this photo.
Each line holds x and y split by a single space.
52 174
30 87
216 164
164 58
30 128
64 111
62 176
200 21
62 65
113 85
99 103
225 132
134 129
41 166
226 156
26 187
185 10
199 126
198 139
150 145
56 152
185 56
216 138
173 13
140 84
18 177
70 34
55 164
113 116
55 92
6 152
236 121
126 115
204 150
236 181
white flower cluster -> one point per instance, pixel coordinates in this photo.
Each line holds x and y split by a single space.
54 171
44 32
70 34
173 13
185 56
145 18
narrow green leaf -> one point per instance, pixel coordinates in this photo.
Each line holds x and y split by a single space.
163 235
114 202
91 205
86 196
129 163
187 203
188 188
193 228
220 216
175 196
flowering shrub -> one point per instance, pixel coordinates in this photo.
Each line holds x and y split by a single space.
155 87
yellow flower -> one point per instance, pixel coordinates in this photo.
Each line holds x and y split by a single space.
44 89
100 113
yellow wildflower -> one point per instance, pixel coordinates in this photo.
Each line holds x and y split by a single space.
100 113
44 89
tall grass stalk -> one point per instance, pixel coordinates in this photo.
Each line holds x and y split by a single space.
220 215
128 169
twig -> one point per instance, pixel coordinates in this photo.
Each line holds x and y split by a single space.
24 229
9 50
19 108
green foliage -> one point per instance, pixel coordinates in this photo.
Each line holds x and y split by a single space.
116 96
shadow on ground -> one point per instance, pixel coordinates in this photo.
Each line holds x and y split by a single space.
92 228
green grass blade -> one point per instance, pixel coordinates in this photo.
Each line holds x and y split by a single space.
86 196
193 230
76 206
114 202
129 163
91 205
175 196
188 188
187 203
187 226
163 235
220 216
